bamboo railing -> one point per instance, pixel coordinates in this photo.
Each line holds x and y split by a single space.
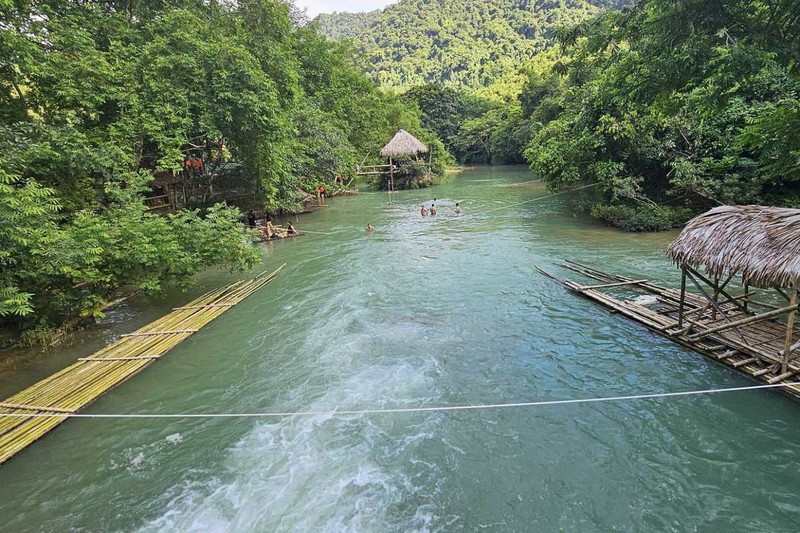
81 383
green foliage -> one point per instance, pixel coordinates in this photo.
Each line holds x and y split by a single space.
689 103
444 109
96 97
458 44
642 218
56 271
344 25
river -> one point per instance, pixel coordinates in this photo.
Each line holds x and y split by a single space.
446 310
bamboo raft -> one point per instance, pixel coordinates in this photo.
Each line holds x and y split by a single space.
728 332
75 387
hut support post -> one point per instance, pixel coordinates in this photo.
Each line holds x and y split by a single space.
682 303
716 296
787 352
746 295
391 175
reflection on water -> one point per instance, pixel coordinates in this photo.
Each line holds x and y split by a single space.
436 311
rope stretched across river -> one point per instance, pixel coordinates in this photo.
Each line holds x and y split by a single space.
540 198
543 403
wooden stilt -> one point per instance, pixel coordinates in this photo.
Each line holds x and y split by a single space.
391 175
682 303
787 352
746 294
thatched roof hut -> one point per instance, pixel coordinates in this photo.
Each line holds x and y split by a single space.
762 244
403 144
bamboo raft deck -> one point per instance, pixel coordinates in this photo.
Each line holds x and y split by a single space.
78 385
735 337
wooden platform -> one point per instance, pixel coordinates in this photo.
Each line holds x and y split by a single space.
78 385
754 349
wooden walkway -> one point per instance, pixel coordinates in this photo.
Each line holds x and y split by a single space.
754 349
78 385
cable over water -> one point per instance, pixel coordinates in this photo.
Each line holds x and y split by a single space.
540 198
542 403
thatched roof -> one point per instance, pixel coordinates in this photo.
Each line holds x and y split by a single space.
762 244
403 143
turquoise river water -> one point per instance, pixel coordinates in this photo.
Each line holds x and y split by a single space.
424 312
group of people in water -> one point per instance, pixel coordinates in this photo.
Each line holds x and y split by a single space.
424 211
270 232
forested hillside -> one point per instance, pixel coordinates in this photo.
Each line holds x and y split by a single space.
668 106
99 97
344 25
671 108
454 42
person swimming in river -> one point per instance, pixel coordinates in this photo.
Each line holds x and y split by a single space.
423 211
370 228
457 209
433 209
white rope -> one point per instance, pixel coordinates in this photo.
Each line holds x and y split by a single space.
541 198
544 403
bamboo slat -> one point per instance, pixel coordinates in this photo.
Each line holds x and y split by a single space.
171 332
35 408
78 385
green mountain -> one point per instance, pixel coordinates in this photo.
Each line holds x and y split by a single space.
344 25
456 42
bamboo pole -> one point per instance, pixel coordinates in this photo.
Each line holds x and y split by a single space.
682 303
81 383
787 351
744 321
746 294
618 284
34 408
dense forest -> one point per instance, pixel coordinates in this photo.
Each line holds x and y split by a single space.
672 107
98 98
455 42
668 106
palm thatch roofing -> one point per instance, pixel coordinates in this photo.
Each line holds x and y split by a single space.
403 143
762 244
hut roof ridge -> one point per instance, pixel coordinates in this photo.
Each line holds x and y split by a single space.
403 143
